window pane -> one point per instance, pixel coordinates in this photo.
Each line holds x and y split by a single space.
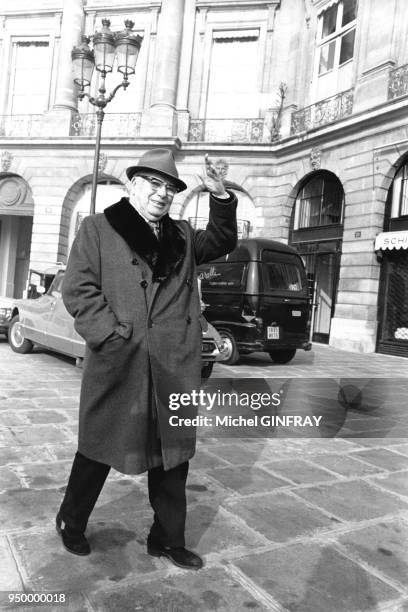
396 193
313 188
347 46
327 57
233 85
30 82
283 271
404 198
332 203
284 276
349 11
329 21
310 212
221 275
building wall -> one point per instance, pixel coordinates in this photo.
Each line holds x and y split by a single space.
170 90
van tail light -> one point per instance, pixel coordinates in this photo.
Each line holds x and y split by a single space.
249 310
248 317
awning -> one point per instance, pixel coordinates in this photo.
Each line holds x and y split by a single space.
391 240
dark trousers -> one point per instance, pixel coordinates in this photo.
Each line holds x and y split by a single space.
167 495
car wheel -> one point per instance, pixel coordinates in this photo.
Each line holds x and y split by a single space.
16 339
282 356
231 350
206 371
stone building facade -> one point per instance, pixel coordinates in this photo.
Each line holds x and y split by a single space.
303 104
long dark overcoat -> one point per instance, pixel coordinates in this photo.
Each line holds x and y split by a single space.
135 302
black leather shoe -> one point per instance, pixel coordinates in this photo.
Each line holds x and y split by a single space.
178 556
74 541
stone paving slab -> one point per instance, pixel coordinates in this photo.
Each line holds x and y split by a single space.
10 576
208 590
25 508
397 483
49 567
280 517
39 476
382 546
353 501
383 458
9 479
345 465
22 454
299 472
39 434
212 529
245 480
315 578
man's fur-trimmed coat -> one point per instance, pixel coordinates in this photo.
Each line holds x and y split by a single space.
135 302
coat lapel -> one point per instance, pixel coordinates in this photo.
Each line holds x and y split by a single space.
164 254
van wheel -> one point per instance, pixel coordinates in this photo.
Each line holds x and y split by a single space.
206 371
231 352
16 339
283 356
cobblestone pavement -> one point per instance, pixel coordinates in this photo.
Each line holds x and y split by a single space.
295 524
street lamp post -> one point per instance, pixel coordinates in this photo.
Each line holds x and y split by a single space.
106 44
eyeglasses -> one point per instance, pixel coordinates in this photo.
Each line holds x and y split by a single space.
157 184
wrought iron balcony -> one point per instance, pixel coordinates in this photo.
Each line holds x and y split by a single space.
398 82
243 226
322 113
20 125
114 124
229 130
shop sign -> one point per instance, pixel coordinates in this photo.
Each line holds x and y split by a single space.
391 240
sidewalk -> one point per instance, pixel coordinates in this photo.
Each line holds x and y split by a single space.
299 525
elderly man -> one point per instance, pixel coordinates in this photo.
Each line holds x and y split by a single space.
131 286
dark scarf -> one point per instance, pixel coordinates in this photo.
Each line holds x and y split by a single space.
163 254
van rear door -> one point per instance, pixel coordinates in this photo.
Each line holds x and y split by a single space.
283 306
222 285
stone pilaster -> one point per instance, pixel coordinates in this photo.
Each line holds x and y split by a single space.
161 119
57 121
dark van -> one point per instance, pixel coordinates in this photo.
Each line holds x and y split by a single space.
258 299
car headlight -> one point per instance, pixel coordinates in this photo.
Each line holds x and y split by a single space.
5 312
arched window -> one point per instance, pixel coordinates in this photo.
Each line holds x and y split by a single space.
319 203
399 206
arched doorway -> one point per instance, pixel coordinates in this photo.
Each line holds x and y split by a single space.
392 249
316 232
16 221
77 205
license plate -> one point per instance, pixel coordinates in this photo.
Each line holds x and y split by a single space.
296 313
273 332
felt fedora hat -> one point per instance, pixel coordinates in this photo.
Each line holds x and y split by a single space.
160 161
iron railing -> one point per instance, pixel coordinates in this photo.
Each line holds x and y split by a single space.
20 125
114 124
398 82
322 113
230 130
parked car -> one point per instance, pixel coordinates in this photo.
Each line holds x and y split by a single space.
45 321
5 314
258 298
39 281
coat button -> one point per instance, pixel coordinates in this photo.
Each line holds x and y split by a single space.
143 283
188 320
135 262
